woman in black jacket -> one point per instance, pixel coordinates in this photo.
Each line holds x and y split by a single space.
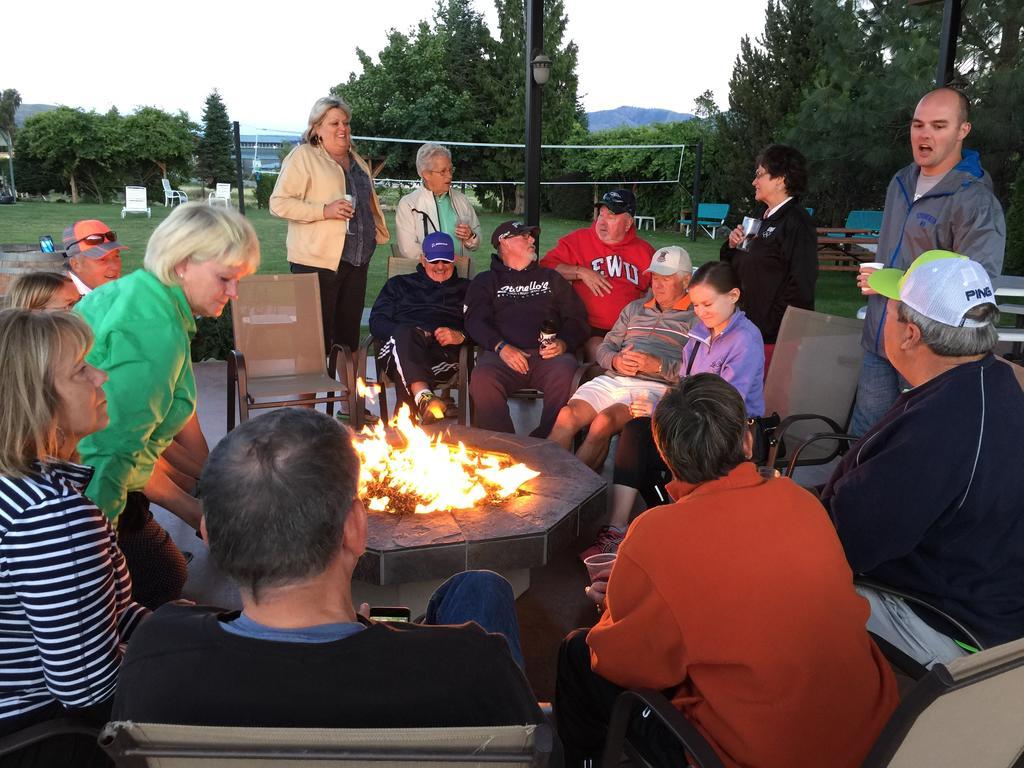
780 266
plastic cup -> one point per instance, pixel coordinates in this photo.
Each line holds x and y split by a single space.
599 565
351 201
866 269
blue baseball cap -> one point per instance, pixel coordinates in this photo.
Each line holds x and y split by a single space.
438 246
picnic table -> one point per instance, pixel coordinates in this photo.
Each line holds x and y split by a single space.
843 250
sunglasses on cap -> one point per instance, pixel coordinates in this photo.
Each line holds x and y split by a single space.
97 238
506 235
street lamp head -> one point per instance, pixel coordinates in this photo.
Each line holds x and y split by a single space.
541 68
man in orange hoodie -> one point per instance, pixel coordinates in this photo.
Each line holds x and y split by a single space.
737 602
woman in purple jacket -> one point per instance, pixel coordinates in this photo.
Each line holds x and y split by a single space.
728 345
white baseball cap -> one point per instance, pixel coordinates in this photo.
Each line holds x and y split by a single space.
670 260
941 285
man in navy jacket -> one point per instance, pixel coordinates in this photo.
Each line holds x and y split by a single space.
417 319
929 500
507 307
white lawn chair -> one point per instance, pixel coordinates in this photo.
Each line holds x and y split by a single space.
170 195
135 202
221 195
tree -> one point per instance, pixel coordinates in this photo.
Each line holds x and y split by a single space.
429 83
10 100
766 90
562 111
154 143
1013 264
663 201
68 142
214 151
704 106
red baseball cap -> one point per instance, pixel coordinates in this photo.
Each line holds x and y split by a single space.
90 238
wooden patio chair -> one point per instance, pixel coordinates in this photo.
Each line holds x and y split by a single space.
278 359
134 745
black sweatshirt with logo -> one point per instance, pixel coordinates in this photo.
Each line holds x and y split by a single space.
510 305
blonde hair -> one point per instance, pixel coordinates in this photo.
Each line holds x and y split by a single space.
31 344
319 111
33 290
202 233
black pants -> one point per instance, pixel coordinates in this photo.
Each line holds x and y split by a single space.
638 464
342 295
66 750
583 708
413 354
156 565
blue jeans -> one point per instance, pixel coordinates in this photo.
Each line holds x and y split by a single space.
877 389
481 596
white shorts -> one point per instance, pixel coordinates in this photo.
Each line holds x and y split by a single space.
608 390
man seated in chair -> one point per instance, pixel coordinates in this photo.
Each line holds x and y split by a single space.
93 254
736 601
283 521
417 320
929 500
605 262
641 356
507 309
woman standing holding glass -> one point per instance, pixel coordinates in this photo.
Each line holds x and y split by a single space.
778 266
335 221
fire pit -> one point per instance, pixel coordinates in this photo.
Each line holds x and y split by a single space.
409 554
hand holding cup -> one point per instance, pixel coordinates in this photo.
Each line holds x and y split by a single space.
599 568
866 269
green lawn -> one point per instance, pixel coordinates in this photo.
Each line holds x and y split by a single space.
25 222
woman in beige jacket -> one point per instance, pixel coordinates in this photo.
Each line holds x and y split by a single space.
335 221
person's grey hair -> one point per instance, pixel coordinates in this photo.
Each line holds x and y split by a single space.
201 233
698 428
276 492
426 153
316 116
952 341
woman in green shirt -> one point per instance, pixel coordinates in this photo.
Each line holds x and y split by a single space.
143 325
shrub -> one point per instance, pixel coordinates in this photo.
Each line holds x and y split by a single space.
264 188
571 201
214 337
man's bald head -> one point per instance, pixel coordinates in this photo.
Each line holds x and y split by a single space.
947 95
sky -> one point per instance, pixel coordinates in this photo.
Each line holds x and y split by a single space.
271 61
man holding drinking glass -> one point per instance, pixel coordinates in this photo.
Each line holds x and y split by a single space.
435 207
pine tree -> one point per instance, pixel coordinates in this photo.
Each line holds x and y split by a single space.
214 156
766 90
1013 263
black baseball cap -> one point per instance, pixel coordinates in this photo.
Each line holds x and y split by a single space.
619 201
512 229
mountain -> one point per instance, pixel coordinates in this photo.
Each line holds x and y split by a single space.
25 111
630 117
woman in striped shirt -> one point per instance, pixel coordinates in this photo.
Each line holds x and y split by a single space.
65 593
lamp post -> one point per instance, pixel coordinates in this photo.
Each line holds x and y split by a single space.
538 69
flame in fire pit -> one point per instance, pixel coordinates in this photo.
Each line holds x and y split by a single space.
422 474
